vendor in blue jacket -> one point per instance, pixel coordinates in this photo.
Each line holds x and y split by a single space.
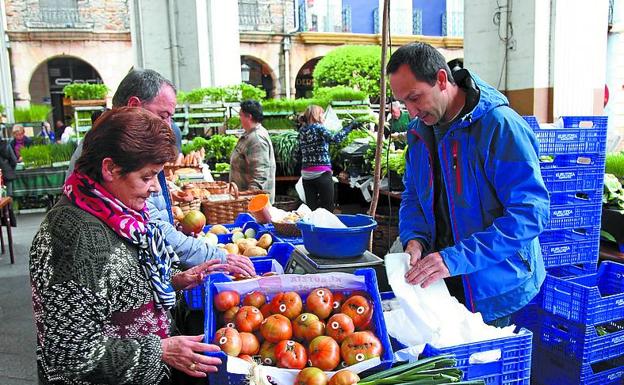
474 201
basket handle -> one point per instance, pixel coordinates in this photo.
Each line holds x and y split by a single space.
233 190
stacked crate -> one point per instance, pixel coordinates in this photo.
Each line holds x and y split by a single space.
578 337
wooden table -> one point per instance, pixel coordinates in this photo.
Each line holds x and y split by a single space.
5 220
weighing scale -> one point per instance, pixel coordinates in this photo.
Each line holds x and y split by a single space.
353 157
301 262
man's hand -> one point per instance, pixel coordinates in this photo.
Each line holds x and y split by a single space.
243 263
414 249
427 270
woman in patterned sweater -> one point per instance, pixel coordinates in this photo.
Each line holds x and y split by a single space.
102 276
316 171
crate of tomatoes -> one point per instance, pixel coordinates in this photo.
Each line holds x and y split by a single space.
290 326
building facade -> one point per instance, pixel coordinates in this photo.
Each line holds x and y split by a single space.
58 42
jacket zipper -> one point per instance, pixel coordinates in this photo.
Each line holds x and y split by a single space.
458 181
430 177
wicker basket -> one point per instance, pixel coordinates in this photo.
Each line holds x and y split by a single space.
286 203
195 204
287 229
218 187
221 212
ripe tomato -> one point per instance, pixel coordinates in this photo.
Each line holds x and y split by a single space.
311 376
228 316
290 355
324 353
339 326
266 310
267 353
306 327
226 300
344 377
287 304
339 299
276 328
255 299
320 302
229 340
246 357
248 319
249 343
360 346
359 309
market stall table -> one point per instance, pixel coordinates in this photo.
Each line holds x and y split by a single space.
39 181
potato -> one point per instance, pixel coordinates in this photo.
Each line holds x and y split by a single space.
218 229
255 251
265 241
244 244
231 248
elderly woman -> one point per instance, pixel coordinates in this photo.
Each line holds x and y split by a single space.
19 141
252 163
102 276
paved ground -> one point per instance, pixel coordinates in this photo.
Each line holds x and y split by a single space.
17 333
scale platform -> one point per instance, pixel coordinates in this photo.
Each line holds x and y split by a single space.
301 262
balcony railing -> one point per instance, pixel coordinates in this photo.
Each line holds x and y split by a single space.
254 15
54 18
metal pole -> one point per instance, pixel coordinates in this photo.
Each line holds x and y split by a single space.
382 111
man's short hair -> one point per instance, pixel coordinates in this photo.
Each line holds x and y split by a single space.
253 108
424 60
142 83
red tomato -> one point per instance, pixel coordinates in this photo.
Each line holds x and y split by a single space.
229 315
248 319
359 309
324 353
344 377
276 328
267 353
360 346
226 300
229 340
287 304
255 299
246 357
290 355
339 299
311 376
266 310
339 326
249 344
320 302
307 326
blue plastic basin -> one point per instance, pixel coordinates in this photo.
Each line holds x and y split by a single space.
350 242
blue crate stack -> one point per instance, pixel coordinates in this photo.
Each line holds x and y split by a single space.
578 336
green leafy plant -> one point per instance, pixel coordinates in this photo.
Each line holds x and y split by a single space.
339 93
334 149
36 156
62 152
222 167
278 124
613 194
229 94
357 67
85 91
33 113
285 145
233 122
615 164
2 109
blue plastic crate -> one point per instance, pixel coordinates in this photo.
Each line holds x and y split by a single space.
222 377
580 135
571 173
279 252
570 247
552 368
574 214
514 366
243 220
588 299
582 342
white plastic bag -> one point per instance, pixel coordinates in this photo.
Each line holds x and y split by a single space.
300 190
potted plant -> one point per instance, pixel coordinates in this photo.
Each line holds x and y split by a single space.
86 94
613 200
60 154
32 115
285 144
36 156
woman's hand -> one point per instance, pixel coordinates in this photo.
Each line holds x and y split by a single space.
194 276
185 353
